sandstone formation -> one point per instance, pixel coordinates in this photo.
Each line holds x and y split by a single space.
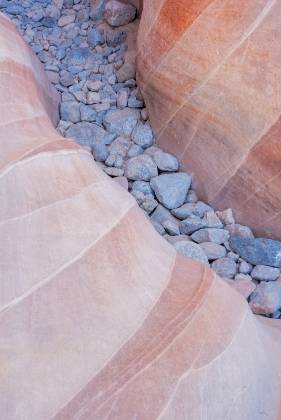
210 73
100 318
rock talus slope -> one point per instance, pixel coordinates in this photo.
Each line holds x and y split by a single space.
210 72
100 319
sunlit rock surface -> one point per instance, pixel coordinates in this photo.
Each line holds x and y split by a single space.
210 72
100 319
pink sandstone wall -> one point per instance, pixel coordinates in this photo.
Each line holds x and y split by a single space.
210 72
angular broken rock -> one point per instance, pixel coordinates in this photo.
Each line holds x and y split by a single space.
161 214
171 189
213 251
211 220
266 298
140 168
192 250
184 211
225 267
70 111
121 121
117 13
226 216
218 236
171 227
191 224
239 230
259 251
142 135
85 133
166 161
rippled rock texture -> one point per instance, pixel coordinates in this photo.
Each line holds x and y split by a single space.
100 318
210 73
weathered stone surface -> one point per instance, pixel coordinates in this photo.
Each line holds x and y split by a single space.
117 13
192 250
213 251
191 224
265 273
142 135
121 121
171 228
171 189
211 220
183 211
217 236
140 168
86 133
226 216
239 230
95 37
266 298
259 251
242 125
225 267
166 161
70 111
161 214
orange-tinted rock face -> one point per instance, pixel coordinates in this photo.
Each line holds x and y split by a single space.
99 318
210 72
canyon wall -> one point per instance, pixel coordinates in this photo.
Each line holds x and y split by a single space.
100 319
210 72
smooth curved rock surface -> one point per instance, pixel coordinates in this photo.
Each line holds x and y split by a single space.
210 72
100 319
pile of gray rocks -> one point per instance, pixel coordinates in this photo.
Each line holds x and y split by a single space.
84 54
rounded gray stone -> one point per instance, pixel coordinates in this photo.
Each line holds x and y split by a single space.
225 267
265 273
266 298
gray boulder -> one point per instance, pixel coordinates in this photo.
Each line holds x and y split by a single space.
86 134
192 250
265 273
259 251
225 267
266 298
213 251
191 224
70 111
166 161
95 37
142 135
218 236
140 168
171 189
121 121
118 14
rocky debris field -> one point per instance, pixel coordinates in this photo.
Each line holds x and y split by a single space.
84 54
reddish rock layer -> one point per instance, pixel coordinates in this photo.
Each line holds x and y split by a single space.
99 319
210 71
